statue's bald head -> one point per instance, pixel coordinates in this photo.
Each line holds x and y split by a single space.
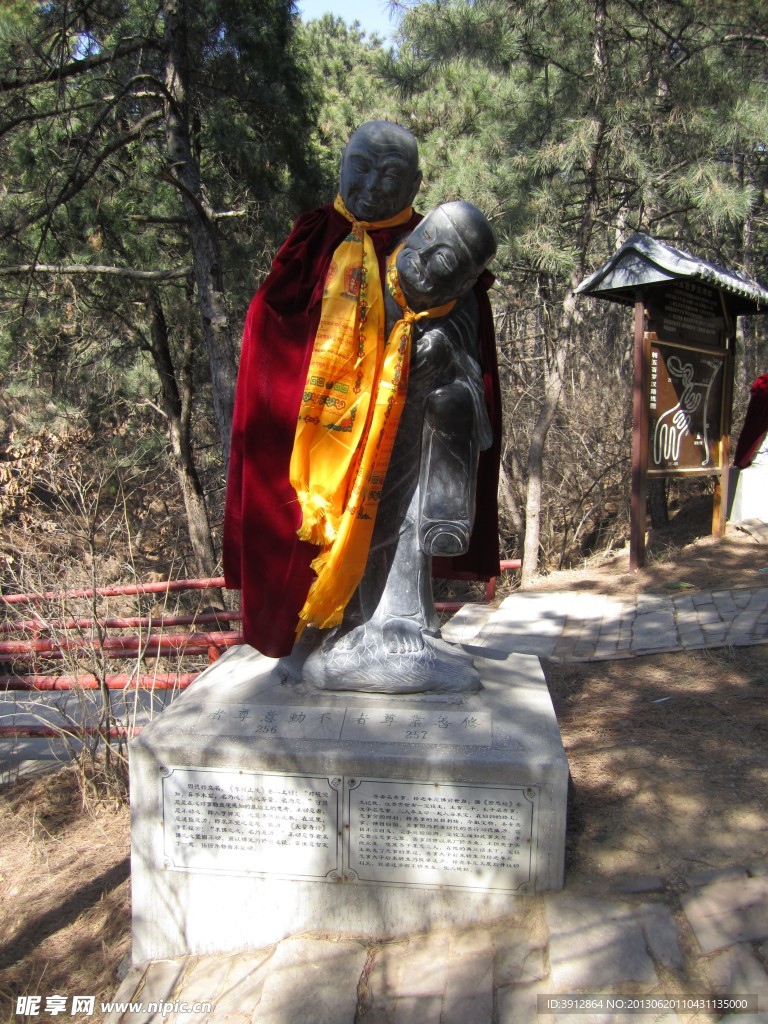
473 231
445 254
380 173
383 136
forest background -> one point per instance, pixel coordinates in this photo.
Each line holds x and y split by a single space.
154 154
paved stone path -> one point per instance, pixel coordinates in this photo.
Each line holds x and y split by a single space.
645 940
577 626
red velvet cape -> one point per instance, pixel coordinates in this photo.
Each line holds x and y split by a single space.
263 557
755 423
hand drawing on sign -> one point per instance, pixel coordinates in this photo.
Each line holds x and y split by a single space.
690 414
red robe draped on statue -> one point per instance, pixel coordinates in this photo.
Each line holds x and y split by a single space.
263 557
755 423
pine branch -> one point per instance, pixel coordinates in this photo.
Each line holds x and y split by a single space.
148 218
86 268
77 180
76 67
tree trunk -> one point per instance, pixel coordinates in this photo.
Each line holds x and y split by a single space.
657 502
552 391
184 174
555 366
177 406
508 500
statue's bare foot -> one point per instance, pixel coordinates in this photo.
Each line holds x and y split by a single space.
445 538
402 636
346 641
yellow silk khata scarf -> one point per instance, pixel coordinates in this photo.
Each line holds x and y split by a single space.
348 420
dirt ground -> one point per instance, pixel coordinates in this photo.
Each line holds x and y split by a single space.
668 756
64 875
668 753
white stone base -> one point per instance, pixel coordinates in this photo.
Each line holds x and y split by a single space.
391 814
748 493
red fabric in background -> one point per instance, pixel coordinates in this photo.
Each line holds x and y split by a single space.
263 557
755 423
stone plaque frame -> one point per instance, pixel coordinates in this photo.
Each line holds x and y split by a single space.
252 823
399 832
404 828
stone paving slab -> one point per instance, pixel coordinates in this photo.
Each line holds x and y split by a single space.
464 626
559 943
660 931
737 971
306 973
727 912
596 944
468 997
157 982
573 626
244 982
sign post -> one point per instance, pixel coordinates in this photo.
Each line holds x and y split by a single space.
684 344
639 439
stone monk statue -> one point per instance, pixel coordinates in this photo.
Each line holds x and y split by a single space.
274 530
388 637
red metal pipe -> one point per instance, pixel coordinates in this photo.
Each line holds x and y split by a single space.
132 622
44 731
123 646
168 586
118 681
211 644
117 590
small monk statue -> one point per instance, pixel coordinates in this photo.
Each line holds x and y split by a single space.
387 638
338 254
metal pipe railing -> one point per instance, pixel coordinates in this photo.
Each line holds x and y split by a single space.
210 643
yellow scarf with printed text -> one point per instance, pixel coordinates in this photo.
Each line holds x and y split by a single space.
351 406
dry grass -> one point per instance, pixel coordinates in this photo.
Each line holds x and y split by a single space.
65 916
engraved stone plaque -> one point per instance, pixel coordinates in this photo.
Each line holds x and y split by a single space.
430 834
247 822
270 721
396 725
398 832
367 725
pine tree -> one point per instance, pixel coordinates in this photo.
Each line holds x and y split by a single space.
572 125
153 151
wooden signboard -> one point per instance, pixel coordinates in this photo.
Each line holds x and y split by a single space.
682 386
683 394
685 403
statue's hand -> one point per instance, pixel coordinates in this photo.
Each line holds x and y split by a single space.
434 352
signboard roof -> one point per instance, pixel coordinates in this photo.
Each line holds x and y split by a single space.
644 261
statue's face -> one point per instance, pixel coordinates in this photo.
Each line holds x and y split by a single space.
440 260
380 173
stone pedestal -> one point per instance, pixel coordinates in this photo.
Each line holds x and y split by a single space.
748 492
261 809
